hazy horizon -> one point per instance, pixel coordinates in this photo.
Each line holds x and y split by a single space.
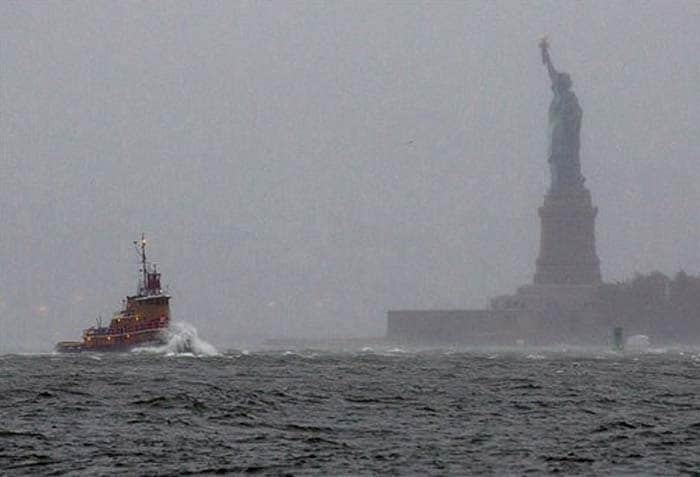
302 167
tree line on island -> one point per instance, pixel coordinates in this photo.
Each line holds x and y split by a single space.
655 304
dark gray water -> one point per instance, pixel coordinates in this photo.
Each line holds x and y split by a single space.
363 412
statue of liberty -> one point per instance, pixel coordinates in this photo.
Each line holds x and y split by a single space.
564 130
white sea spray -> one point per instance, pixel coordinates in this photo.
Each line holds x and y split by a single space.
182 340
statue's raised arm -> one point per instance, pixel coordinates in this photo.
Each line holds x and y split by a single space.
564 129
544 47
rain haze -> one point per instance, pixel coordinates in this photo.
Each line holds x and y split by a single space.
301 167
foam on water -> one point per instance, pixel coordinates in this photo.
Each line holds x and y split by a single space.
638 343
414 413
182 340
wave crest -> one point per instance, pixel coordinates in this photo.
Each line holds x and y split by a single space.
182 340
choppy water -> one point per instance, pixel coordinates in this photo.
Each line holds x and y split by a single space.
353 412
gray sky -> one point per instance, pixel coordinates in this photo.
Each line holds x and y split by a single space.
302 167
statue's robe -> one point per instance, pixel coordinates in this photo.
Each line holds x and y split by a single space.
564 141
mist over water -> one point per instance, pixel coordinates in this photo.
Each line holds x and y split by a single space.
300 168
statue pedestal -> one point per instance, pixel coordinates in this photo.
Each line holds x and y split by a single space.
567 241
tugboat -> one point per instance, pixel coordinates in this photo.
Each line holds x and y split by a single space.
143 321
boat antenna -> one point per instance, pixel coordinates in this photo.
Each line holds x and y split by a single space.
141 248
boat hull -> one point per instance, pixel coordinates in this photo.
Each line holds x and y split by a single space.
69 346
116 343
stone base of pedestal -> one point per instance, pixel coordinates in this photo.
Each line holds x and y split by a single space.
567 241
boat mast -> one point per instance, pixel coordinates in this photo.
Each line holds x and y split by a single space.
143 259
141 248
150 281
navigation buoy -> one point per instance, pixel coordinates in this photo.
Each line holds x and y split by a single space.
618 342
